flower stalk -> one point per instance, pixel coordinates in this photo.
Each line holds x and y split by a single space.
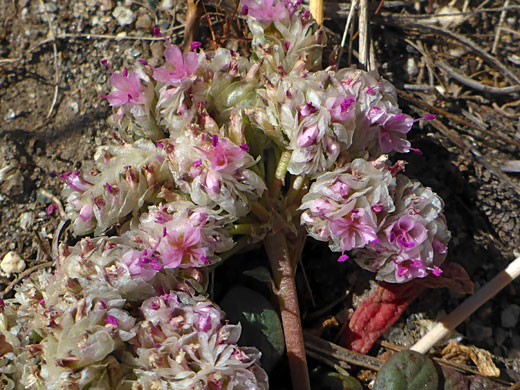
284 269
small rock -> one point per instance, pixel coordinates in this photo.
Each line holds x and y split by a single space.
132 52
106 5
26 219
50 7
510 315
123 15
411 67
166 5
11 114
74 107
144 22
12 262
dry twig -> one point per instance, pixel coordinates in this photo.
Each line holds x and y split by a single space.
475 84
455 118
499 30
335 353
56 69
463 311
466 41
348 26
56 201
22 276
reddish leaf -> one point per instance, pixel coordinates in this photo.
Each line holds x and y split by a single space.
377 313
453 276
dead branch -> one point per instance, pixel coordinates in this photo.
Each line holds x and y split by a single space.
459 38
468 82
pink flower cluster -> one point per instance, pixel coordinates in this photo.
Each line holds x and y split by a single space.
392 225
214 170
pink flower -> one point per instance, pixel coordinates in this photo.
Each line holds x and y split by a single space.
183 66
213 183
74 181
342 108
308 136
141 264
224 155
407 233
182 249
307 110
355 230
85 214
340 188
111 320
393 128
409 266
127 89
264 10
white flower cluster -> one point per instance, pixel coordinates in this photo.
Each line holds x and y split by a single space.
93 324
393 225
202 139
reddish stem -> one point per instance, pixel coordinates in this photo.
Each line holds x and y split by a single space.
283 272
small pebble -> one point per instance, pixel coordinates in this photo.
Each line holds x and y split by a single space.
74 107
144 22
26 219
123 15
11 114
510 315
106 5
411 67
12 262
166 5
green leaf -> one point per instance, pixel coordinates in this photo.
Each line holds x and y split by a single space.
261 324
261 274
324 379
407 370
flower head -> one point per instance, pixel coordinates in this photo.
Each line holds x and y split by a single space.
266 11
127 89
183 66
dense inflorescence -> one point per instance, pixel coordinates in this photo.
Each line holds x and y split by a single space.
189 180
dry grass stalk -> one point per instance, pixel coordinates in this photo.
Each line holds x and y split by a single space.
452 320
316 8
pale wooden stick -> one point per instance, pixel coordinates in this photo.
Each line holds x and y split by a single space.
347 27
363 35
452 320
316 8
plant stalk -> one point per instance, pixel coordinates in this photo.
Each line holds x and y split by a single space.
283 271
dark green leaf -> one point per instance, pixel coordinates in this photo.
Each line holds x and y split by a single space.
407 370
261 324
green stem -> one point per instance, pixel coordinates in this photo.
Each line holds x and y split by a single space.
242 228
297 183
283 271
260 212
279 174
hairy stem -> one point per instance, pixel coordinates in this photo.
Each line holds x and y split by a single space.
283 271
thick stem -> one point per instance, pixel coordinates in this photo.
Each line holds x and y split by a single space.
283 272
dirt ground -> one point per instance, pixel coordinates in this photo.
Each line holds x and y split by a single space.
52 119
